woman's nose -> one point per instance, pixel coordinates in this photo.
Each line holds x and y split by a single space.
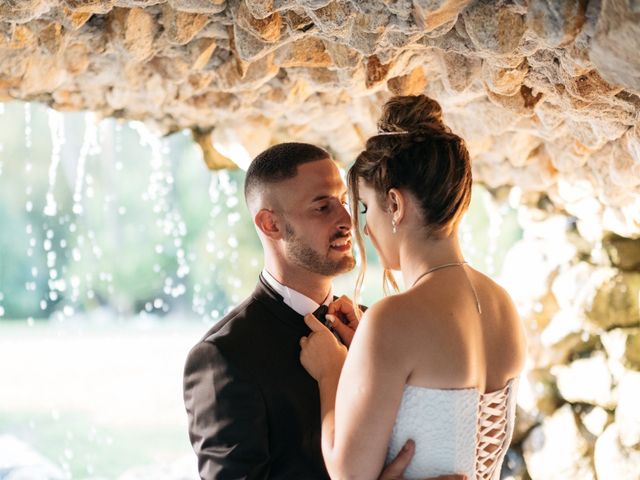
366 229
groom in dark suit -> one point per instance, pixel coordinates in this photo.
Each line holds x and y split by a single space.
254 412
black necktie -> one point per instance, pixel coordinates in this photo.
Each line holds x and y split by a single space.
321 314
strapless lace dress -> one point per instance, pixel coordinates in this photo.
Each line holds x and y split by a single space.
456 431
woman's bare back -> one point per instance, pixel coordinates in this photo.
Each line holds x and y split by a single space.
449 344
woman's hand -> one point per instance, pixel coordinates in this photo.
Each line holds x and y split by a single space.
321 354
342 314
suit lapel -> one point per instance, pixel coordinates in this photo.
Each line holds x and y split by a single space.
272 300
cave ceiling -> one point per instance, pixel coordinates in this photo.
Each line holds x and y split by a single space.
545 92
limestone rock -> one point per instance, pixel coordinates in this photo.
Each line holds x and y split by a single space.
459 71
525 421
614 48
544 92
586 380
76 58
90 6
199 6
181 26
612 460
23 10
627 412
514 466
624 253
556 22
623 349
307 52
596 420
557 450
538 393
493 32
616 302
433 15
504 81
267 29
136 29
576 287
411 84
335 19
564 337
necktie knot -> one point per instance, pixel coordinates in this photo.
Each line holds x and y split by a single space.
321 314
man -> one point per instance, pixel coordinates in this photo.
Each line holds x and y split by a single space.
254 412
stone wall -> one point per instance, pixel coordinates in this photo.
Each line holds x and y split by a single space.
546 93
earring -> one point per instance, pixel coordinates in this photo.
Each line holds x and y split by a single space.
394 227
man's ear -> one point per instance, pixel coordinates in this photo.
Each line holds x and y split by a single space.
396 204
268 223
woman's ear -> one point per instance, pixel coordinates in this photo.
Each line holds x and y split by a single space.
396 202
268 223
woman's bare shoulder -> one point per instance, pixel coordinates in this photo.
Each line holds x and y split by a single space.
508 324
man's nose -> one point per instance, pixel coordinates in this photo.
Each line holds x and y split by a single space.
344 220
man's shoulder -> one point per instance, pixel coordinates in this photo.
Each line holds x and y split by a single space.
236 329
236 342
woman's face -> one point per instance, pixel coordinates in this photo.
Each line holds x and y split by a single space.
378 227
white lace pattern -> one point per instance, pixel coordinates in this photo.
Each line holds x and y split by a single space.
456 431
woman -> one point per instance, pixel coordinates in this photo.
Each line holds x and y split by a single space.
436 363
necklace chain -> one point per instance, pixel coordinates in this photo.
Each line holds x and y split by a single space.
452 264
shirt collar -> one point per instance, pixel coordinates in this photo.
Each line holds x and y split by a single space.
297 301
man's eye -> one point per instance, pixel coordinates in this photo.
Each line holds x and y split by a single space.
322 208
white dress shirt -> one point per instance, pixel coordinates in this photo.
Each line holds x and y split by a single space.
297 301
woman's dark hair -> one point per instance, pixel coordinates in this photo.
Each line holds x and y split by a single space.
417 152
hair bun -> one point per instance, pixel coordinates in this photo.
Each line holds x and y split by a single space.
412 114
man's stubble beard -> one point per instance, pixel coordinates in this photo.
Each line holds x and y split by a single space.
304 256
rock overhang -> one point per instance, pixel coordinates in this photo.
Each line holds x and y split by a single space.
546 93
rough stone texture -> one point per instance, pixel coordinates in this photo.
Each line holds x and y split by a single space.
612 460
627 412
616 304
546 92
557 450
586 380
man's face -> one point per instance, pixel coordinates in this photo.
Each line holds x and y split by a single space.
317 225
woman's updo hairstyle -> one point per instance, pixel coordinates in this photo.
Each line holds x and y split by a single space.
417 152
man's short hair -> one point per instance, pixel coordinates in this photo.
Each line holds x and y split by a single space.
279 163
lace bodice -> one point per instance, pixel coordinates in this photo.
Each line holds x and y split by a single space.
456 431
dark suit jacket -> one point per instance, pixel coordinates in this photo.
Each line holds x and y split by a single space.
254 412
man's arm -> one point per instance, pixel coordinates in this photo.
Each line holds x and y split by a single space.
227 418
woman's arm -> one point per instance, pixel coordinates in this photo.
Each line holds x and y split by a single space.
357 419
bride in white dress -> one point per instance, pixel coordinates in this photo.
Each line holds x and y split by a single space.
438 362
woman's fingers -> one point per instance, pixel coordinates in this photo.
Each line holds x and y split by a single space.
343 305
344 331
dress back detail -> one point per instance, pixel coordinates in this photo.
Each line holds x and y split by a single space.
495 428
456 431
